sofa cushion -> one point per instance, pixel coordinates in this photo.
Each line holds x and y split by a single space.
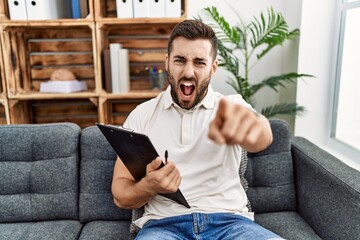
39 172
96 171
106 230
54 230
288 225
270 173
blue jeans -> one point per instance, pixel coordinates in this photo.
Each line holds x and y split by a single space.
202 226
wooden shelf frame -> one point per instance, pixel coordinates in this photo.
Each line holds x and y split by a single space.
4 106
46 23
137 94
146 39
2 74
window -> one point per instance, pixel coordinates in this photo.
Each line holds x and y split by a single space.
346 112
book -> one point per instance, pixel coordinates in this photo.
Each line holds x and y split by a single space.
17 10
63 86
124 9
156 8
124 71
84 8
75 8
107 71
141 8
173 8
44 10
114 62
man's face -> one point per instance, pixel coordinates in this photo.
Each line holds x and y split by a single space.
190 67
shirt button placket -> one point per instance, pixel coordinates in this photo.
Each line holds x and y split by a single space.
186 128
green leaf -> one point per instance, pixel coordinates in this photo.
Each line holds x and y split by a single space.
227 59
275 82
283 108
234 85
293 34
272 32
222 28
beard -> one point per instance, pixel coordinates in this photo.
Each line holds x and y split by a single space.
199 91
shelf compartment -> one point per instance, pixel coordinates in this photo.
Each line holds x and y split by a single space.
115 111
107 9
33 53
147 45
83 112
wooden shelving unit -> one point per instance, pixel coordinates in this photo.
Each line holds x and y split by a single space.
32 50
2 76
4 107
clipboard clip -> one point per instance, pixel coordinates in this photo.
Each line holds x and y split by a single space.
127 129
116 126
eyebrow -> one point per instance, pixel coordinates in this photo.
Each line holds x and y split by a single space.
179 56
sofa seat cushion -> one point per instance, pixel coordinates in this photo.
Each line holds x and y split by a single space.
61 229
289 225
107 230
96 171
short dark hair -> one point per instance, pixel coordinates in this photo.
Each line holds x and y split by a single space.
192 30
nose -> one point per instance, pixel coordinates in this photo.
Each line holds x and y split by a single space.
189 70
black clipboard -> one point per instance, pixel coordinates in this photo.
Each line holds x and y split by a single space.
136 151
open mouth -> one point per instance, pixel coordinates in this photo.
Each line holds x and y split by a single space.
187 88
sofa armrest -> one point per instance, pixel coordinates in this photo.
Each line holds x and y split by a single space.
328 191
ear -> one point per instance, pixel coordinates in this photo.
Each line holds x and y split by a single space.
166 62
214 67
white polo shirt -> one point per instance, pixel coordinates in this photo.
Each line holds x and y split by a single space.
210 181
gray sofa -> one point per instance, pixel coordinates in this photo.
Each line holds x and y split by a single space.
55 182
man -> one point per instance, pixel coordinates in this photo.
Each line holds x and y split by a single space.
204 134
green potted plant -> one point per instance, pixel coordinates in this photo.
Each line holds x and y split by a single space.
244 45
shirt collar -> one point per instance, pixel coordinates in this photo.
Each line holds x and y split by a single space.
208 101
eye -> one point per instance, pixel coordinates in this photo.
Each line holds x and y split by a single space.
200 63
179 60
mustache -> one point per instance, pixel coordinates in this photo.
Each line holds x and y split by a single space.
193 79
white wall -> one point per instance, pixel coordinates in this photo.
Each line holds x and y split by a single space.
316 57
317 54
278 61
